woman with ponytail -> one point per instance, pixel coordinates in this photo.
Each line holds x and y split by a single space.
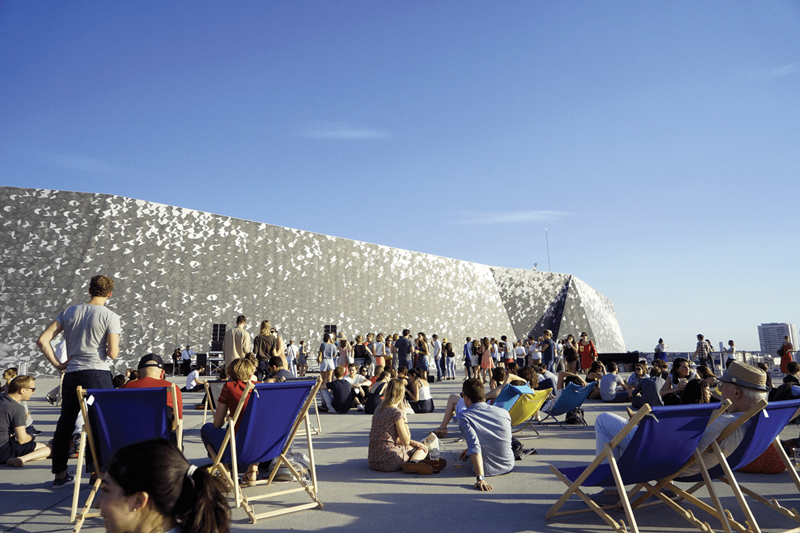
149 487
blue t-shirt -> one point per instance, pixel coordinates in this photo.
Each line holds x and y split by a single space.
403 346
548 351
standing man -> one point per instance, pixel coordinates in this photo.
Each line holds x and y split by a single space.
92 335
403 348
437 357
236 343
468 358
548 350
703 353
186 359
291 358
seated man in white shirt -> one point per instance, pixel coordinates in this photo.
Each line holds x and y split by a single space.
193 381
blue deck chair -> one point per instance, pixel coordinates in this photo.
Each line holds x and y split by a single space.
510 394
764 430
272 418
666 439
114 418
572 397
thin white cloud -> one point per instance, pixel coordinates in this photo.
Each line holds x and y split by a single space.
507 217
341 131
88 165
774 73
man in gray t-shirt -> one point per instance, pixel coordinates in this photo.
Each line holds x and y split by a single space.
487 432
91 332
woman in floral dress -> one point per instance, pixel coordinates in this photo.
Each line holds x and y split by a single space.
390 444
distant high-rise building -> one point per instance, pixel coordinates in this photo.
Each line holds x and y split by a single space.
771 336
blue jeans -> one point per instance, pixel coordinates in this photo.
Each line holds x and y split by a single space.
70 408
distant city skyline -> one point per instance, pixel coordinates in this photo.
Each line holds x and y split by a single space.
656 143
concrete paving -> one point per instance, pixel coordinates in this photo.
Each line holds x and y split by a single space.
359 499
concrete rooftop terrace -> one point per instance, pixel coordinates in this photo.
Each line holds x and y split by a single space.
358 499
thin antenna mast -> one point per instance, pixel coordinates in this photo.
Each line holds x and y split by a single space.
550 268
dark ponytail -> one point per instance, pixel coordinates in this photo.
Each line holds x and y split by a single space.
191 495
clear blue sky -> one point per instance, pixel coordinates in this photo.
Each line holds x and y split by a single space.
658 143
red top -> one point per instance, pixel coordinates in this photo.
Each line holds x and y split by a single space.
153 383
230 395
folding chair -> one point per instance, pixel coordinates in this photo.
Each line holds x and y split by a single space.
317 430
114 418
665 440
269 423
571 398
213 389
525 409
764 430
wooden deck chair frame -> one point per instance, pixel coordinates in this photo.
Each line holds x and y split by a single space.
209 400
318 429
717 510
88 437
525 410
654 489
245 501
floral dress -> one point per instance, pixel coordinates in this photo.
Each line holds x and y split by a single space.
385 454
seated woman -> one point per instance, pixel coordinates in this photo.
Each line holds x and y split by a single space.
212 434
703 372
390 444
149 486
696 391
419 393
375 393
596 371
678 377
501 378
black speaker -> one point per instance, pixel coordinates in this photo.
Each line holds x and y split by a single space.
218 332
330 328
202 360
216 346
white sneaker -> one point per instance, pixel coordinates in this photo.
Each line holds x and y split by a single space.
360 407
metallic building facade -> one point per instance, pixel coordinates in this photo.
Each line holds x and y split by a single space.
177 271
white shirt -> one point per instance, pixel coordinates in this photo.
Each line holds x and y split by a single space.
437 348
191 379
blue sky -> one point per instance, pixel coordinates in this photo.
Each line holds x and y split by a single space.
658 143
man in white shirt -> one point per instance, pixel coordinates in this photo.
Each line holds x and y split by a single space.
291 358
193 381
186 359
437 357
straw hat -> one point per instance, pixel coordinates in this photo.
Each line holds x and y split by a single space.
747 376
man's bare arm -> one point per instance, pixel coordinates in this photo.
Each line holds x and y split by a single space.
112 345
44 345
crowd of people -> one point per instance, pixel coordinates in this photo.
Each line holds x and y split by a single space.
388 376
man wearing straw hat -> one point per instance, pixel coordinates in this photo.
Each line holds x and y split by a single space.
744 385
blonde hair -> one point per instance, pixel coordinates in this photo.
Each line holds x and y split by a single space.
265 327
359 339
241 369
392 394
379 338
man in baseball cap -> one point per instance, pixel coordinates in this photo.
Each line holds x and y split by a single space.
151 375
